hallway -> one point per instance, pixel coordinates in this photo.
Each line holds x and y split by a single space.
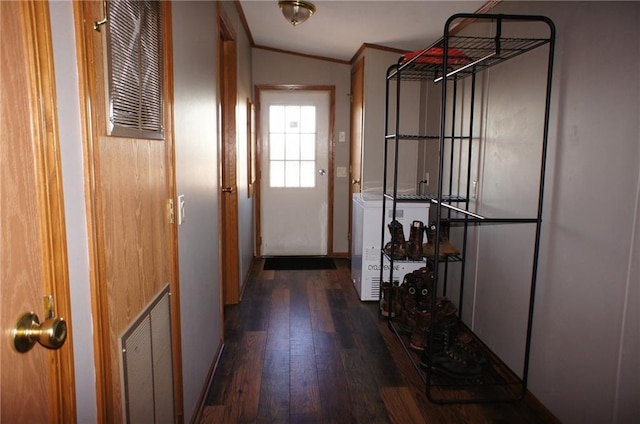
302 348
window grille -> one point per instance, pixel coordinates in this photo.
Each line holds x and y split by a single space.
292 146
134 57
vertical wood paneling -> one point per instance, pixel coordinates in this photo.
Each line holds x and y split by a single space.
132 241
132 175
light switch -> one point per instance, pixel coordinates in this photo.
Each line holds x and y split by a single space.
341 172
342 137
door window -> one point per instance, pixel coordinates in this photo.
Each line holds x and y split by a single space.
292 146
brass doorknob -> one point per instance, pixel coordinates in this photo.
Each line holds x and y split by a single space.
227 189
354 181
51 334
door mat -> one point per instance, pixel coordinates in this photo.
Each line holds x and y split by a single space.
298 263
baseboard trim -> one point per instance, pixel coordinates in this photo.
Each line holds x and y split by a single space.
250 272
535 404
197 417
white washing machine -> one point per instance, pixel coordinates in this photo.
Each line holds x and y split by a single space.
365 241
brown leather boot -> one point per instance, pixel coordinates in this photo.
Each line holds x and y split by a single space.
445 248
414 245
397 247
390 301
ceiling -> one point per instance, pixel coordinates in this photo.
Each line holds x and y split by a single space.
340 27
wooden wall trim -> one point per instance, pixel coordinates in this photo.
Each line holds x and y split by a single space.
197 416
365 46
308 56
227 97
174 284
245 24
331 154
40 51
85 54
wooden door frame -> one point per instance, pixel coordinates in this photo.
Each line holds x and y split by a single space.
331 89
93 123
357 69
227 176
39 52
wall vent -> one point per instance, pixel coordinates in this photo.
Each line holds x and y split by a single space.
147 365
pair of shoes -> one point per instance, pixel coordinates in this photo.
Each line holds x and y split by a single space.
445 247
413 248
446 355
416 291
390 301
443 311
397 247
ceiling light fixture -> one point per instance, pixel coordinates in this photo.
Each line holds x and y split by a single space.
296 11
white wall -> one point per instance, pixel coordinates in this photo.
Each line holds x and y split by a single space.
280 68
195 76
68 96
586 339
376 63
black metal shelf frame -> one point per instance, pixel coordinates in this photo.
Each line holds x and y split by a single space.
480 53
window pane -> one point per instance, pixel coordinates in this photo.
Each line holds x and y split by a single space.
276 119
276 146
307 147
293 147
307 174
293 119
276 174
292 178
308 119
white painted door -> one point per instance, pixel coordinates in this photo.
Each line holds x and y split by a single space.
295 177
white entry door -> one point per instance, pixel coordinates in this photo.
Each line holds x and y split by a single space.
295 178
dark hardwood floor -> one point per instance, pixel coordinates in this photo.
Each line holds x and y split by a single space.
302 348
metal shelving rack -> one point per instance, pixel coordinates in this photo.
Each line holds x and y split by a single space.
480 53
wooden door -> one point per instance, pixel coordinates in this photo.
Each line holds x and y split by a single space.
357 121
228 99
132 234
36 386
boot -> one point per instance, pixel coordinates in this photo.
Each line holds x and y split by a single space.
425 318
397 247
414 245
424 287
446 356
418 339
407 321
390 302
466 342
445 247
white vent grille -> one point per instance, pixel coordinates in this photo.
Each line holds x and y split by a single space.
147 365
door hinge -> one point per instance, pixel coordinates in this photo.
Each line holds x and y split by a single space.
171 211
349 236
